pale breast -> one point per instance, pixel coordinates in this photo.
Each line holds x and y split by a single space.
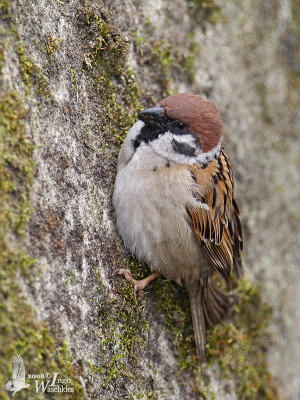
152 219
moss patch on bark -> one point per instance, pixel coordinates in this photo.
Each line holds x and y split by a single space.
237 346
19 332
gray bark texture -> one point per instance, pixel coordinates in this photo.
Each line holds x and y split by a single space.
73 74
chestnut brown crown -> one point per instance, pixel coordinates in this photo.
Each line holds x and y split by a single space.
201 115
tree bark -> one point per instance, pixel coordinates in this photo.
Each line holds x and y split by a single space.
73 75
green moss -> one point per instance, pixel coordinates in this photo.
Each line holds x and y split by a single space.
266 115
160 53
205 10
105 61
32 75
5 5
201 13
108 50
173 301
74 81
163 58
26 66
238 345
168 63
19 333
122 330
1 56
16 167
189 59
51 46
147 396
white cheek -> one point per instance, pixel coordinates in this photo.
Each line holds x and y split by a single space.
164 147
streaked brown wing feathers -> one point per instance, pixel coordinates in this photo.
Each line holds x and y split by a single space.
216 222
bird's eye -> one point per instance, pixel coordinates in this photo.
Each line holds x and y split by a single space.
181 125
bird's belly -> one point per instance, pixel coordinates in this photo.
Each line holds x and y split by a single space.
153 222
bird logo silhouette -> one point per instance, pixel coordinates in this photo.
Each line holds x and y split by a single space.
17 381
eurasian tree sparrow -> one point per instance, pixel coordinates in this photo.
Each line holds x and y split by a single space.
174 203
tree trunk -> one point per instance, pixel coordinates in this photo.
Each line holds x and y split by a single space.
73 75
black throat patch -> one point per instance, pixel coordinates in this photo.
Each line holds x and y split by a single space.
148 134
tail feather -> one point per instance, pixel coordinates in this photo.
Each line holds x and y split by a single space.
215 310
195 294
209 303
215 303
237 265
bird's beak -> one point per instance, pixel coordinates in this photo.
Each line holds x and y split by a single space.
152 116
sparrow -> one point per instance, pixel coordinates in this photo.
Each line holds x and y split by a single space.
175 207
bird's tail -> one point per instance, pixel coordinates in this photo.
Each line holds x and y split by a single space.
215 303
209 303
196 294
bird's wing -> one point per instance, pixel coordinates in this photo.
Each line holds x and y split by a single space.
18 369
216 219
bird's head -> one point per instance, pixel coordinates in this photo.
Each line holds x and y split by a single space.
9 386
183 129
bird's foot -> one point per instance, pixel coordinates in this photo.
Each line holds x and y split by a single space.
137 284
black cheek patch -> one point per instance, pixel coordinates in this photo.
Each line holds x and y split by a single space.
183 148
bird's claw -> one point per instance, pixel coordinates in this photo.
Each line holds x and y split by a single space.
128 275
138 285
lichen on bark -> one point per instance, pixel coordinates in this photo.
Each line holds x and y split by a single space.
20 333
74 74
